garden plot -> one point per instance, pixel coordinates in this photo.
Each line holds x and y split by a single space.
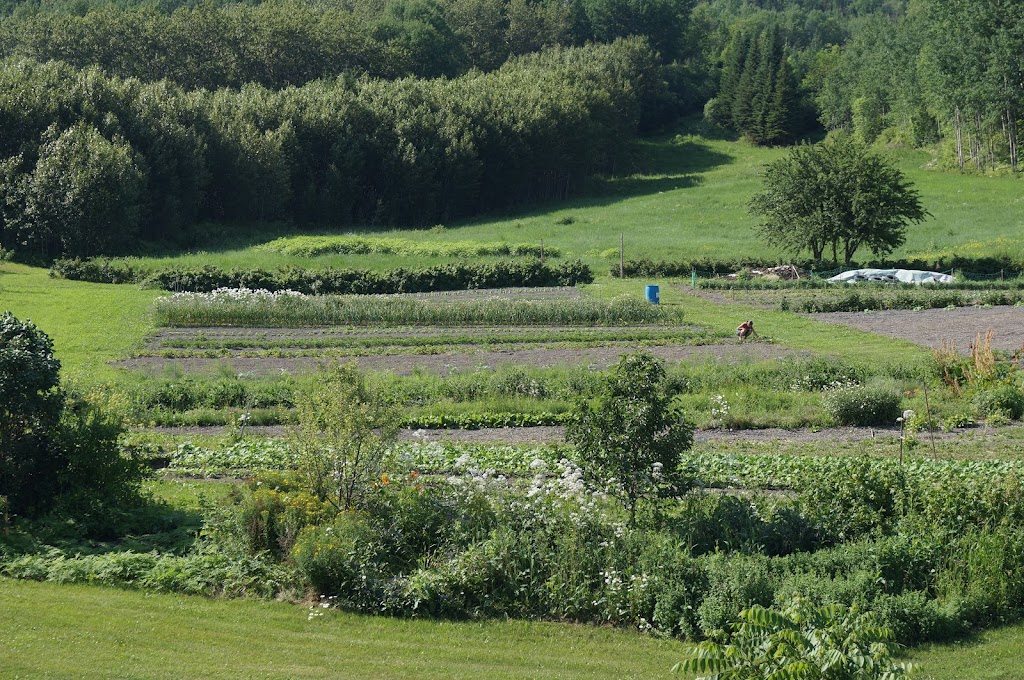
219 341
444 363
440 334
933 327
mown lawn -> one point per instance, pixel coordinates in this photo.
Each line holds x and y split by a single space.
91 632
90 324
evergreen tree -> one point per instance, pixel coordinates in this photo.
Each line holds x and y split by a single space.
741 111
780 123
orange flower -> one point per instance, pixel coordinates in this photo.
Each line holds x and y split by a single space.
414 474
384 479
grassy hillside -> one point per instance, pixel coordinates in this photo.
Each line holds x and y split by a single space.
684 196
112 633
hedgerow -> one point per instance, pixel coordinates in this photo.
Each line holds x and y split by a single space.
455 276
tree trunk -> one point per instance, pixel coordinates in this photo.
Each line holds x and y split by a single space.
1010 123
959 130
976 143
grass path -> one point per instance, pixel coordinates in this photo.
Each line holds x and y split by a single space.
92 632
90 323
786 329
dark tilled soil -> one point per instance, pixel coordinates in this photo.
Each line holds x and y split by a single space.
931 327
445 363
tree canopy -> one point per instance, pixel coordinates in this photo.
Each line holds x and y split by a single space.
835 197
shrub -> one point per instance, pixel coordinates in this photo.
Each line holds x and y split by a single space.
1006 400
854 499
30 408
914 618
312 246
830 642
455 276
863 405
342 559
272 516
345 434
633 434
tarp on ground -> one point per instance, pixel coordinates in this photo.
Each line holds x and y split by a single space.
891 276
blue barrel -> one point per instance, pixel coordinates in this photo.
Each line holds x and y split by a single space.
651 293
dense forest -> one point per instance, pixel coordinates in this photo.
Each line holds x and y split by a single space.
127 121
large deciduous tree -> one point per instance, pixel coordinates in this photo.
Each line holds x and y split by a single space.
835 196
629 439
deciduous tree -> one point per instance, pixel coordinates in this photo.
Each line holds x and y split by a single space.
346 430
835 195
629 439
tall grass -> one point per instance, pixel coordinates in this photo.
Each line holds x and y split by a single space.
282 311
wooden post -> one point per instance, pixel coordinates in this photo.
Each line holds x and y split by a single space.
928 413
622 260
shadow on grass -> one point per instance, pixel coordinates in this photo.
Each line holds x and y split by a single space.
152 526
655 165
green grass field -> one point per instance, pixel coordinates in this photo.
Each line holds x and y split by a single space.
92 632
90 324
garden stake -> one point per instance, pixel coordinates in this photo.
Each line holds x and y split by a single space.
902 424
928 413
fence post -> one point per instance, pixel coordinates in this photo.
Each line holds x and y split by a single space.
693 279
622 261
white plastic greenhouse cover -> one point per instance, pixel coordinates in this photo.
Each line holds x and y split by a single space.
891 276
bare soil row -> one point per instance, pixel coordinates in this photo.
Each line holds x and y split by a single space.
445 363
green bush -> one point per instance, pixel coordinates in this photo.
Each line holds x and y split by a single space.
871 405
1006 400
30 410
57 451
456 276
854 499
272 516
313 246
343 559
